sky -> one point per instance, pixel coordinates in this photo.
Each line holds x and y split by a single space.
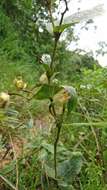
89 39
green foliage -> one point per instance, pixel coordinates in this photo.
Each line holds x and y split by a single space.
59 152
61 28
47 91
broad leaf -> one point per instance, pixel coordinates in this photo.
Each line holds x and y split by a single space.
48 147
68 169
47 91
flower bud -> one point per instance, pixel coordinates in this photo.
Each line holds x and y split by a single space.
4 99
43 79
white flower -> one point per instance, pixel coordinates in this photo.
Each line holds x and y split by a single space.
46 58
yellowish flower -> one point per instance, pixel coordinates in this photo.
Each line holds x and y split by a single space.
62 96
19 83
4 99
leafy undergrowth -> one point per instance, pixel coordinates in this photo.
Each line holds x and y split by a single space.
30 132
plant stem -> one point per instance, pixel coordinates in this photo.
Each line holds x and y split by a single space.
53 55
57 36
66 9
52 67
58 125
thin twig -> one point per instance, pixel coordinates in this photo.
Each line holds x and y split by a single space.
64 12
16 94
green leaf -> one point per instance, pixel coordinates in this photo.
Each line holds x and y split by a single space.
48 147
61 28
71 105
47 91
46 66
68 169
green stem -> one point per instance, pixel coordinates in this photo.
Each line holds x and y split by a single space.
53 55
55 147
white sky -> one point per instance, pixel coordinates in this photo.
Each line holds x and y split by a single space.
89 39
